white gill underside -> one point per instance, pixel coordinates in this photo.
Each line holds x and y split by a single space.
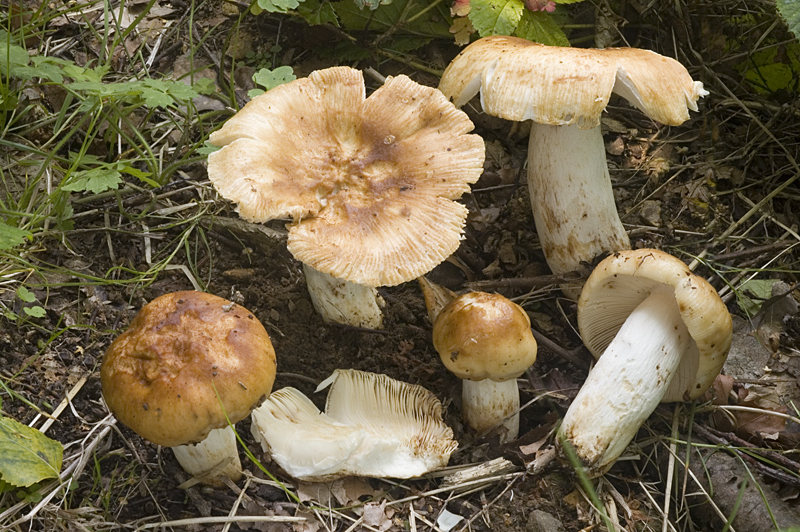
627 383
571 196
343 302
212 458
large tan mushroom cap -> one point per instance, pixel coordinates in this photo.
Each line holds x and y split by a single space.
521 80
186 359
484 336
368 181
623 280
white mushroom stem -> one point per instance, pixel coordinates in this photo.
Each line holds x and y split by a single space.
571 196
487 403
343 302
212 458
627 383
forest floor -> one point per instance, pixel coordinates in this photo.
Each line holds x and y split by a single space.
720 192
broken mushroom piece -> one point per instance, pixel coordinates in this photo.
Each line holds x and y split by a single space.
188 367
564 91
660 334
369 182
373 426
486 340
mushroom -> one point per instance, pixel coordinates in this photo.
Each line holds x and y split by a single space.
564 91
486 340
660 334
369 182
373 426
188 367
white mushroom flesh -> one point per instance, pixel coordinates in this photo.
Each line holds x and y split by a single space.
214 457
487 404
628 381
571 197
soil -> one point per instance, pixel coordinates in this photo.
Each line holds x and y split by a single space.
679 189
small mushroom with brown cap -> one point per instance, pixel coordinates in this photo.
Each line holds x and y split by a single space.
189 366
486 340
660 334
564 91
369 182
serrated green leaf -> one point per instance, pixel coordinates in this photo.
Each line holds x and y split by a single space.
540 27
208 148
495 17
11 237
753 293
34 312
269 79
315 12
790 11
156 98
205 86
25 295
26 455
95 181
277 6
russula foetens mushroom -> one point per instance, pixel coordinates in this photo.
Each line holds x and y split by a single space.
660 334
372 426
564 91
369 182
486 340
188 360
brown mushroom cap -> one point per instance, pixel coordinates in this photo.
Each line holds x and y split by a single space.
484 336
520 80
623 280
368 181
186 360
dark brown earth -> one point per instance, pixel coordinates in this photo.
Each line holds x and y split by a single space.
688 190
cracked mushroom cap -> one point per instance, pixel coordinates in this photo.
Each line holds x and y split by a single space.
520 80
623 280
484 336
368 181
186 360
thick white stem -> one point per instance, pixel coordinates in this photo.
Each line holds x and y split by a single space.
487 403
627 383
212 458
343 302
571 196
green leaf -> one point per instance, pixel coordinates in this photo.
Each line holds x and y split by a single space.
372 4
277 6
540 27
12 56
208 148
25 295
26 455
11 237
434 23
316 12
790 11
269 79
95 181
34 312
495 17
753 293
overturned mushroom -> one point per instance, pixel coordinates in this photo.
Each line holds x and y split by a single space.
660 334
372 426
189 366
369 182
564 91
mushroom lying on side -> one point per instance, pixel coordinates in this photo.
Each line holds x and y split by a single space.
660 334
486 340
373 426
564 91
369 182
189 366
